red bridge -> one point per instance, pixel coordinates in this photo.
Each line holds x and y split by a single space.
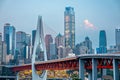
103 61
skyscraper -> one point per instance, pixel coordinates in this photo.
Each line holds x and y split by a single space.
28 46
117 38
69 27
0 48
21 44
33 36
102 42
9 38
48 40
102 39
53 54
88 45
0 37
59 40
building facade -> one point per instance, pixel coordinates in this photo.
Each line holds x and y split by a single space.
117 38
48 40
21 45
0 48
86 46
59 40
33 36
102 42
53 54
28 46
9 38
69 27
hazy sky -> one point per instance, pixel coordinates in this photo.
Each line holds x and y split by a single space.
91 16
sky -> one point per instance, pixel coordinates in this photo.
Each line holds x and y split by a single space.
91 16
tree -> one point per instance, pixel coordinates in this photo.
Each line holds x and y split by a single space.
75 77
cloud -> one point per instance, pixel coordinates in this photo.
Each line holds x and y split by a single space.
88 24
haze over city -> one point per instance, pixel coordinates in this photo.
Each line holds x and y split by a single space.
90 17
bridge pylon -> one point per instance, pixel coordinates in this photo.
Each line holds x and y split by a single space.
39 42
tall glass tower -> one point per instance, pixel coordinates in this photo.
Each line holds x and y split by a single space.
117 38
69 27
102 42
9 38
102 39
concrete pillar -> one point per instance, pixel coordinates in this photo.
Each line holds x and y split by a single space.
17 76
89 75
81 69
115 69
94 69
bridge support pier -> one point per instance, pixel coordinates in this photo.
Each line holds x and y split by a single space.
94 69
89 75
115 69
17 76
81 69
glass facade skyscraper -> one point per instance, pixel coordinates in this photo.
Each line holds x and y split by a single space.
102 42
117 38
21 44
69 27
48 41
9 38
102 39
33 36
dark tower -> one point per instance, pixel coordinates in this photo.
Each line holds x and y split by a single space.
102 42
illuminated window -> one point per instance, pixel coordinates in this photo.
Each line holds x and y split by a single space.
67 18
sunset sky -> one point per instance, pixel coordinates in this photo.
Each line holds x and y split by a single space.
91 16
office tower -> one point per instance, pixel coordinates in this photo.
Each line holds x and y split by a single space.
48 40
0 48
59 40
60 52
117 38
86 46
0 37
9 38
102 42
33 36
28 46
28 39
53 54
69 27
4 53
21 44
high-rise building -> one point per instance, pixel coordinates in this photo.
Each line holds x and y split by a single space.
59 40
21 44
33 36
69 27
9 38
4 53
0 48
117 38
86 46
28 39
48 40
53 54
0 37
60 52
28 46
102 42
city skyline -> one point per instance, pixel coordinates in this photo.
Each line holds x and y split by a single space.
90 17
